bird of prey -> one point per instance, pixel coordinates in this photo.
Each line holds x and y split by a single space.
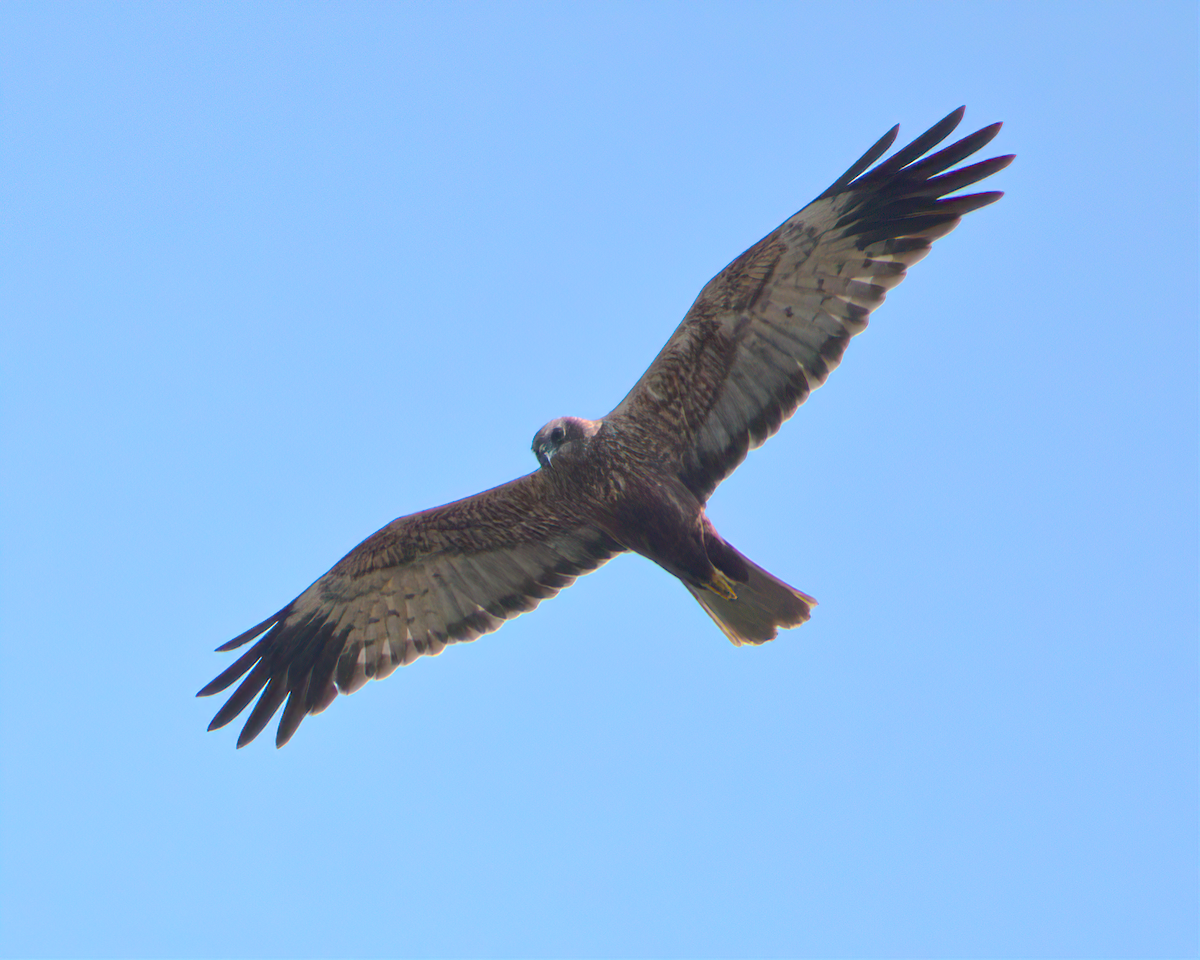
763 333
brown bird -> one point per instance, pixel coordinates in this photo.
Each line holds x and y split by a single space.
763 333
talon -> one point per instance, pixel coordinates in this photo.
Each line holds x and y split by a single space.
721 585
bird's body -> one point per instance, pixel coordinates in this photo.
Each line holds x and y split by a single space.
762 334
629 486
622 485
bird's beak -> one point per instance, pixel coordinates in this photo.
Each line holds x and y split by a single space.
543 457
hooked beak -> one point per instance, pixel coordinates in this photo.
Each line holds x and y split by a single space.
544 454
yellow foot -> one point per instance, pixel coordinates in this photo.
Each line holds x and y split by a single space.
721 585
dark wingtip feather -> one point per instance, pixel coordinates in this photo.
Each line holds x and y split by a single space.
877 150
326 698
969 202
962 177
904 196
295 711
906 155
243 638
231 673
267 706
949 156
255 680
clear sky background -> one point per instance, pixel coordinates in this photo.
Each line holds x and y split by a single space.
276 274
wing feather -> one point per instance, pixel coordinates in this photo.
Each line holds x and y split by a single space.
420 609
425 581
773 325
295 709
475 621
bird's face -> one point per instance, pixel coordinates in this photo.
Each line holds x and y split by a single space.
562 435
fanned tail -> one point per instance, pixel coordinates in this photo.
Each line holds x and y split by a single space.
764 605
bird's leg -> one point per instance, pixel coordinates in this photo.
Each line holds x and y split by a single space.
721 585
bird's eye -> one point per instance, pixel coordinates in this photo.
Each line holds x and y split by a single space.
556 435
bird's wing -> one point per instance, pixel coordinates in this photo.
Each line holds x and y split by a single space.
770 327
424 581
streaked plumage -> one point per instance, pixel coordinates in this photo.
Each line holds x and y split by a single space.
763 333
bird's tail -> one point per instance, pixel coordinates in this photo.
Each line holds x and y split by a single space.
764 604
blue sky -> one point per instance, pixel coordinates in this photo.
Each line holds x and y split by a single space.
276 274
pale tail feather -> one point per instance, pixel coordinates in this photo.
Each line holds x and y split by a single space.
764 606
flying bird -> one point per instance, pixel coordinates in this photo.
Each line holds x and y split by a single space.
763 333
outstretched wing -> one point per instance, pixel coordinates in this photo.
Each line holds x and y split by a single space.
770 327
424 581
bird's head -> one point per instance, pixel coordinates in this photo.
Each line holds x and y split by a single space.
564 432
